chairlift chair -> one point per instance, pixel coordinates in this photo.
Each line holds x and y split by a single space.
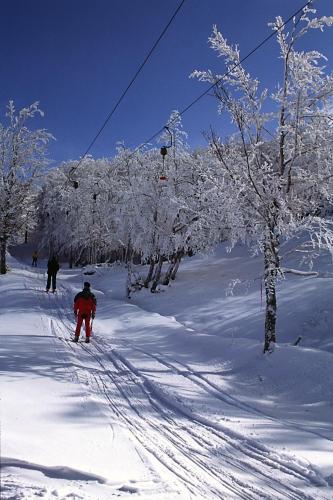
164 152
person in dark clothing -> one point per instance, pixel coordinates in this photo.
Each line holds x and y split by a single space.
52 269
84 309
34 258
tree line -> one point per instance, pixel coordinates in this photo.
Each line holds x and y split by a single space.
264 184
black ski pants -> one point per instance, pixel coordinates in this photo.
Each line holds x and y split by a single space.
51 277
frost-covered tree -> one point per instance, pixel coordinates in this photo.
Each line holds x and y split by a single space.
137 206
22 161
173 212
276 170
80 221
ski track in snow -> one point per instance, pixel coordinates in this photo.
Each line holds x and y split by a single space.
200 458
184 370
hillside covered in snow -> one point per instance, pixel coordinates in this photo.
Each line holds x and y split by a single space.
173 398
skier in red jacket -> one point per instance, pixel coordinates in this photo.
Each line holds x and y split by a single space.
84 309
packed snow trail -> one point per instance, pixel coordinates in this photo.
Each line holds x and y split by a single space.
173 413
208 460
55 440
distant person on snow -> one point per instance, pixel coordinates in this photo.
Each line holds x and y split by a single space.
84 309
52 269
34 258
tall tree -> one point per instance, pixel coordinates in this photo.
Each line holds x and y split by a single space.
277 168
22 161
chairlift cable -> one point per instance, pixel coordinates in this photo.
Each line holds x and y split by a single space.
265 40
128 86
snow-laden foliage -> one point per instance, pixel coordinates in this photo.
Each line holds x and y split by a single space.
22 160
275 172
137 205
76 221
268 182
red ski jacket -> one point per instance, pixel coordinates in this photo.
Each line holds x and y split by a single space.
85 303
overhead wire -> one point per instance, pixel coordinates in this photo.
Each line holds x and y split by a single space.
198 98
107 119
184 110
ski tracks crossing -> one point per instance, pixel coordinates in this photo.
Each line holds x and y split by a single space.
196 456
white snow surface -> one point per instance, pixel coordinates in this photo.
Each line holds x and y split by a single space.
173 398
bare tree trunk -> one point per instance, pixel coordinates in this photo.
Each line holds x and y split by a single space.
179 256
167 276
152 259
70 263
129 280
78 260
128 260
173 267
157 274
128 253
3 249
150 272
271 269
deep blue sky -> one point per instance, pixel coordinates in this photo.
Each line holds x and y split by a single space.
77 56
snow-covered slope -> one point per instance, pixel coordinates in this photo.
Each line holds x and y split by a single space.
173 398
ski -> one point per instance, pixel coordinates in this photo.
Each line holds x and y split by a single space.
72 341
